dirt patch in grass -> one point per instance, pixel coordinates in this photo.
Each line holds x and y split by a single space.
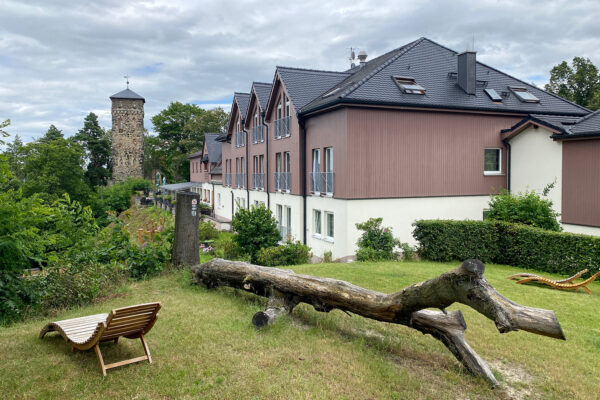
515 381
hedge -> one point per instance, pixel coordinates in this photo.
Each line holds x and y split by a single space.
507 243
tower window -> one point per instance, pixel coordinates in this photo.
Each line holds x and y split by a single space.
120 125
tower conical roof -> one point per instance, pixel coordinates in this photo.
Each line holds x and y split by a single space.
127 94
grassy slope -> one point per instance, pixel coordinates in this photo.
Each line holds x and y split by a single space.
204 346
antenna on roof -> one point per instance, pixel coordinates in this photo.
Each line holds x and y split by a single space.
127 80
352 57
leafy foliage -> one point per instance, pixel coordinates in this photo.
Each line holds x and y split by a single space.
579 83
181 128
207 231
255 228
96 143
507 243
286 254
524 208
375 243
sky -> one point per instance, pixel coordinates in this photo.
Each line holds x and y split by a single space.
60 60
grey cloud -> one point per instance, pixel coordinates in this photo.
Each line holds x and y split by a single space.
60 60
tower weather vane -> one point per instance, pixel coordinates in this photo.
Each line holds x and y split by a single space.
127 80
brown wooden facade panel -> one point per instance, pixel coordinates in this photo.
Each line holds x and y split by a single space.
401 153
581 182
329 130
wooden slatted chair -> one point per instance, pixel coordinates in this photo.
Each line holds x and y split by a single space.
562 284
86 332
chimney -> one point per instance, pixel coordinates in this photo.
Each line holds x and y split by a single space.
362 56
467 76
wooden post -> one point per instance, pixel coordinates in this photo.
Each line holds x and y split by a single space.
186 248
141 235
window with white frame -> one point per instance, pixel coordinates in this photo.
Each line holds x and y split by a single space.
288 219
492 161
329 223
219 199
317 229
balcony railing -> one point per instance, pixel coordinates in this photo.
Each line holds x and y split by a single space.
240 180
282 181
282 128
258 181
320 182
227 179
284 231
239 139
258 134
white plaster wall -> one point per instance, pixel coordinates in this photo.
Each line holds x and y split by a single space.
536 161
293 201
399 214
258 195
224 209
586 230
340 246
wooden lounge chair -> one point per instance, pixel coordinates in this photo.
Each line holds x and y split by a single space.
86 332
562 284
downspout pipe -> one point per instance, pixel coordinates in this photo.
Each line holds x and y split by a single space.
246 178
301 122
508 166
262 116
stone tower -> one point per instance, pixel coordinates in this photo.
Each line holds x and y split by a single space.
127 135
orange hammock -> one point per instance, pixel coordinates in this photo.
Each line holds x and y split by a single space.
563 284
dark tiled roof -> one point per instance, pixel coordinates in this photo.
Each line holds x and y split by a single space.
567 126
196 154
242 100
559 122
213 147
263 90
303 85
127 94
216 170
434 66
587 126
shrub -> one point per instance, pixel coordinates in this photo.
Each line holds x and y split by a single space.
376 243
507 243
255 228
524 208
327 257
207 231
286 254
408 252
225 247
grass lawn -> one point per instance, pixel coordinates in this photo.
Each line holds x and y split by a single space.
204 346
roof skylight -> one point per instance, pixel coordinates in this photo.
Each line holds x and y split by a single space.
492 94
408 85
524 95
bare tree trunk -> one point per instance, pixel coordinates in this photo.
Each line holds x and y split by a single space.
186 249
465 284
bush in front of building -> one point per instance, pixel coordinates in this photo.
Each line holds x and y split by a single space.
527 208
288 253
255 229
507 243
376 243
207 231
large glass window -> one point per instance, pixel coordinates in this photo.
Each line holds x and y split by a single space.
492 161
317 222
329 225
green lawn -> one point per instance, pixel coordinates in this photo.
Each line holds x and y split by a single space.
204 346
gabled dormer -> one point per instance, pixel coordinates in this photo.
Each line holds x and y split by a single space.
237 117
259 96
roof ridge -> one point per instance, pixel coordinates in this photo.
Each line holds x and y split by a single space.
312 70
405 49
261 83
591 114
247 94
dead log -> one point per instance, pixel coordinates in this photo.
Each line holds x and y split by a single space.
465 284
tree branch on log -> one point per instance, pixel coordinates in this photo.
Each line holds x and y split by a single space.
465 284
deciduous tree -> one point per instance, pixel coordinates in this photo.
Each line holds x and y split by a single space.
578 82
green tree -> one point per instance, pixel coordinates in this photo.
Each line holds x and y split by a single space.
181 128
3 133
96 143
54 168
255 229
53 133
578 82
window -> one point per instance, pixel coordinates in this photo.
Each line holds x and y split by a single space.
329 225
524 95
408 85
492 94
492 161
286 162
120 125
288 220
328 170
279 116
219 199
287 105
279 214
317 223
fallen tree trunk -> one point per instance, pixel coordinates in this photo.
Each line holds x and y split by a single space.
465 284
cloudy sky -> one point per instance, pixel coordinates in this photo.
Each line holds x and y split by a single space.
61 59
